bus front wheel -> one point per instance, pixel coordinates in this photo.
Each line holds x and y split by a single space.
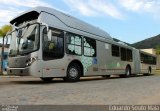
73 73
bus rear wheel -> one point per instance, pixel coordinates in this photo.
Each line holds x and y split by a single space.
127 72
106 76
149 71
73 73
47 79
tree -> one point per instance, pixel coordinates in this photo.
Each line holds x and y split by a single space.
3 31
158 50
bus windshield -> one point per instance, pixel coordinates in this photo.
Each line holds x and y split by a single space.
24 40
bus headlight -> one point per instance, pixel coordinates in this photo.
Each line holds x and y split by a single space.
30 61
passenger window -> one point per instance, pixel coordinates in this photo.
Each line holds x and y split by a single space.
123 54
115 50
126 55
147 59
74 44
129 55
89 47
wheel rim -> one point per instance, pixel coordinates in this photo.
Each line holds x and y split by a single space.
73 72
149 71
128 72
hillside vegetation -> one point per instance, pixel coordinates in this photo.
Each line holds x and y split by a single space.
152 42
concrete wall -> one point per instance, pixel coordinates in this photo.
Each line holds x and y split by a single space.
151 51
158 62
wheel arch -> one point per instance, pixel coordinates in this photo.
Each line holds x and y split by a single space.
78 63
129 66
150 69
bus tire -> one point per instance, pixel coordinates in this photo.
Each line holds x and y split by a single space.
149 72
46 79
127 72
73 73
106 76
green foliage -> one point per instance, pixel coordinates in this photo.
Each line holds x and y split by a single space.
0 33
158 49
4 30
151 42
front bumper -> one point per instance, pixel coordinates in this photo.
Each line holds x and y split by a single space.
18 71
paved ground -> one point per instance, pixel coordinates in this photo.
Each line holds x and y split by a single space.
89 91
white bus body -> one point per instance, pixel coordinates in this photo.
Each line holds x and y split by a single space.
47 43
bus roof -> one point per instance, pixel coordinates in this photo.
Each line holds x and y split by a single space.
68 20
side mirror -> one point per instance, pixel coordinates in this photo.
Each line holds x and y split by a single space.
46 26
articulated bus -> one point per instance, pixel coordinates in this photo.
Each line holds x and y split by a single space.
50 44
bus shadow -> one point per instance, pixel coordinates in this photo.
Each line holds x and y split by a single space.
113 77
37 82
83 79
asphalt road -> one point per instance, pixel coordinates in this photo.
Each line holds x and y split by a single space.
139 90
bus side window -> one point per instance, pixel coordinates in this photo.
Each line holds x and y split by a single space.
123 54
129 55
74 44
89 47
115 51
148 59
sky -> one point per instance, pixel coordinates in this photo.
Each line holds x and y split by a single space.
128 20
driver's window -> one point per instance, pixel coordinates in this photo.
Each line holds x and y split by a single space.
53 46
